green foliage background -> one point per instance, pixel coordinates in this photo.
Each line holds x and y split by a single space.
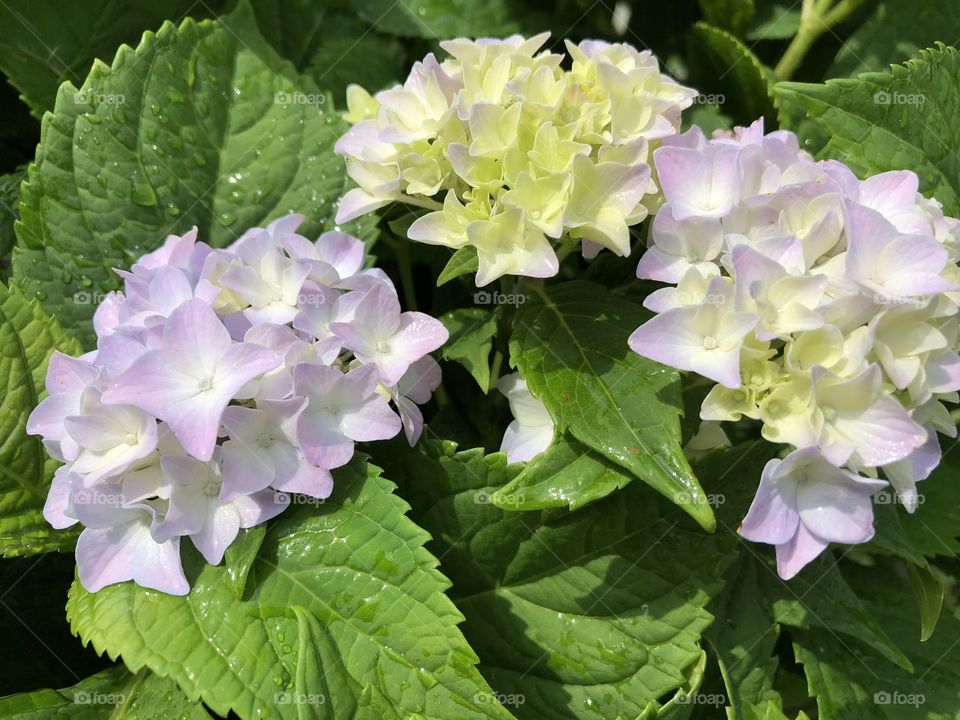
604 580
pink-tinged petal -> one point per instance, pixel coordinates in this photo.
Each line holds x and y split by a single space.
522 443
772 517
802 549
240 364
66 374
342 251
220 529
309 480
259 507
47 418
890 192
359 202
128 552
698 183
657 265
324 446
117 352
189 503
150 384
313 380
835 511
943 372
881 434
285 224
905 474
194 335
374 420
244 470
419 382
58 500
107 316
412 419
176 250
668 338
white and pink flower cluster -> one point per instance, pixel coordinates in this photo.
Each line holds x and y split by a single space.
823 306
223 380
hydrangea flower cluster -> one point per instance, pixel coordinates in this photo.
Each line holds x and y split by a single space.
823 306
223 381
524 152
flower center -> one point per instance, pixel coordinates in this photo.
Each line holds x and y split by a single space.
265 441
205 383
383 347
829 413
710 342
212 488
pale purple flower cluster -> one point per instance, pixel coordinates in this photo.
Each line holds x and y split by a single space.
223 381
824 307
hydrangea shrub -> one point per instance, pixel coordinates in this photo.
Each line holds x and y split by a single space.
370 361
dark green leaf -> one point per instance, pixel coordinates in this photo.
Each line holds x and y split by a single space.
570 343
471 339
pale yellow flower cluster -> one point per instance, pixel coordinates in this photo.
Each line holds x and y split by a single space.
526 154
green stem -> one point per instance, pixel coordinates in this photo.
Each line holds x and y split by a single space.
495 370
816 18
418 201
406 273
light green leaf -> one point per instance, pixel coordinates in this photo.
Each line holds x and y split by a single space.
743 82
567 474
905 118
201 125
471 339
356 563
570 343
113 694
894 32
463 262
436 19
28 336
593 614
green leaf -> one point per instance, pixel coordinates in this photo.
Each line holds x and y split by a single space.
28 336
463 262
745 84
934 529
436 19
570 343
929 591
592 614
567 474
40 49
860 684
894 32
905 118
200 125
336 695
774 21
241 555
820 597
356 563
744 639
113 694
732 15
9 202
471 339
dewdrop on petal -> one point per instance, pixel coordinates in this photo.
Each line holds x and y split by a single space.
823 306
223 380
511 154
